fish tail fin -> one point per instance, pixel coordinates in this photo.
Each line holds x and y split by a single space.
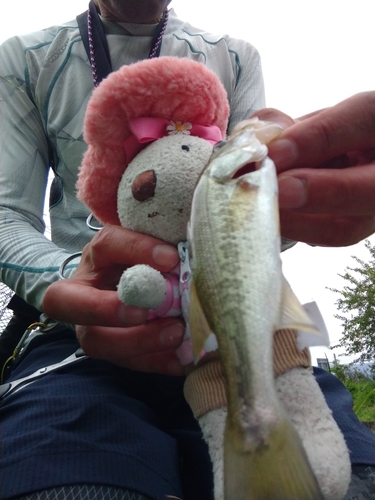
276 470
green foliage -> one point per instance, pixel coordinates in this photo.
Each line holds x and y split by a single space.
361 387
357 305
361 408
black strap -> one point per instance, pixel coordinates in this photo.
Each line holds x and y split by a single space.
102 57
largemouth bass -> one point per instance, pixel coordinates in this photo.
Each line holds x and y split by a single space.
239 293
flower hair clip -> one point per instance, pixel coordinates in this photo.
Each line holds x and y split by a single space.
178 127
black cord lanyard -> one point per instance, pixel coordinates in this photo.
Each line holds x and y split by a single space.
99 41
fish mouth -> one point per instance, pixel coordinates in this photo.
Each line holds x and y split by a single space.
248 168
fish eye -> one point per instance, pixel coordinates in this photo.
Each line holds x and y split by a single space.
185 147
219 145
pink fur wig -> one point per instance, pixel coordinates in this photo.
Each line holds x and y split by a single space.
172 88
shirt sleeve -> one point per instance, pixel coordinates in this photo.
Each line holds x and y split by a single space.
248 94
29 261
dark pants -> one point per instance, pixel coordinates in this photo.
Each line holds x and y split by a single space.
361 486
84 492
94 423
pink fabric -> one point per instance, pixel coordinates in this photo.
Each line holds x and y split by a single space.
184 353
172 306
148 129
172 302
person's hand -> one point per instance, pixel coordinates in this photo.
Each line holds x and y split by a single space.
326 167
105 327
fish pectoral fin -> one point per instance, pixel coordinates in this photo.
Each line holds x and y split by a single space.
293 315
277 469
199 327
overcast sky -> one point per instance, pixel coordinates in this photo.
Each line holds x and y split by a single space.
314 54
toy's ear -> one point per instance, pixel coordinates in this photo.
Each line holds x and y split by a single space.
172 88
96 188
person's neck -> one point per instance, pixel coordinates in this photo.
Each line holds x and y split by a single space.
117 20
156 20
110 16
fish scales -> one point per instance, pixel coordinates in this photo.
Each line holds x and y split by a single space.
236 306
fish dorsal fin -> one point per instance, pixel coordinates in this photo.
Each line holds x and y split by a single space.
199 327
293 314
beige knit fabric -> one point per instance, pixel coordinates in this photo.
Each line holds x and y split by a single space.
205 386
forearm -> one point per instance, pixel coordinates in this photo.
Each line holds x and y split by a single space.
29 262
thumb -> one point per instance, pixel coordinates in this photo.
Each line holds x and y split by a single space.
346 127
275 116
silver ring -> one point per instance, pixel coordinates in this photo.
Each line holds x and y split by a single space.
88 222
66 262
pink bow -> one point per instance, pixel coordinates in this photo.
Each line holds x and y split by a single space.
149 129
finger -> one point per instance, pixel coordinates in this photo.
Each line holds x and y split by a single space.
309 115
122 343
86 297
342 192
348 126
165 362
144 347
117 245
325 230
77 303
275 116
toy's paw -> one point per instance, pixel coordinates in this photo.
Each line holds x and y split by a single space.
212 424
142 286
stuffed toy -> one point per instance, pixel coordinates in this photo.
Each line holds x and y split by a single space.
150 129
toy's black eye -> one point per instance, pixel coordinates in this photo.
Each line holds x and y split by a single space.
185 147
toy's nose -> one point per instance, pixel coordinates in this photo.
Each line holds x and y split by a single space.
143 186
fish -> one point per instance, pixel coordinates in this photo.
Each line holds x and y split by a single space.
238 291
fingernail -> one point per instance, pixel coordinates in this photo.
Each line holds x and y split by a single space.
131 315
292 192
171 335
165 255
284 153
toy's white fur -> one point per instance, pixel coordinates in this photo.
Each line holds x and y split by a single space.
177 162
142 286
324 444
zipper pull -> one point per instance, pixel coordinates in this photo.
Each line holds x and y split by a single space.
185 270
